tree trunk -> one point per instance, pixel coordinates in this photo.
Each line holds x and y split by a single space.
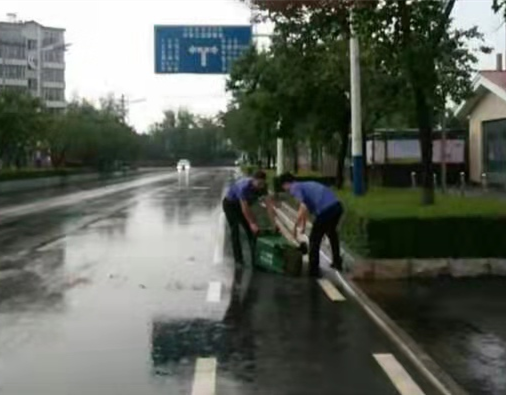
269 159
295 155
341 157
424 115
320 165
314 156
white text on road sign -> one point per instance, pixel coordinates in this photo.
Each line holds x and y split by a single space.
203 51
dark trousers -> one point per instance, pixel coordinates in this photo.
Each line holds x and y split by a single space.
235 219
325 224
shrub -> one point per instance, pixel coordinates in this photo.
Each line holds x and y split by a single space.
27 174
392 224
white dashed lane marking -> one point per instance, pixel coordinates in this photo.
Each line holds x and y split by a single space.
333 294
204 381
219 251
214 292
398 375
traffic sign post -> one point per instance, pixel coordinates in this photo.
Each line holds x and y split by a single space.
199 49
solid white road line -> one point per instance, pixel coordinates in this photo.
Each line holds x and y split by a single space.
214 292
204 381
398 375
219 250
333 294
51 245
390 330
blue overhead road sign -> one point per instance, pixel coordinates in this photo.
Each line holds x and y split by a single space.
199 49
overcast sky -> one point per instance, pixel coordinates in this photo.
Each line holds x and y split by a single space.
112 47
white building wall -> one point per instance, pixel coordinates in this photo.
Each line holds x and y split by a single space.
490 108
37 40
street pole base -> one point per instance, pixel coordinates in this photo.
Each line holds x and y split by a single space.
358 176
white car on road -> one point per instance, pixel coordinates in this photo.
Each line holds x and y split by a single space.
183 164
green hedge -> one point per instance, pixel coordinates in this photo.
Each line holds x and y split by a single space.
27 174
392 224
248 170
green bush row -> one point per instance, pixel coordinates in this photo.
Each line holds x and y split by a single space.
435 232
465 237
248 170
425 238
27 174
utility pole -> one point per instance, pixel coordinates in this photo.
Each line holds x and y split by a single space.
443 147
280 157
356 113
125 105
280 162
123 108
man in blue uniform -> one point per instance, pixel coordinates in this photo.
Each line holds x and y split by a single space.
319 201
236 206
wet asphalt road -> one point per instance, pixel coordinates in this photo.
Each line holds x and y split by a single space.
124 292
461 323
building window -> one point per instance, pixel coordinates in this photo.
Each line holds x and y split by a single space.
32 44
12 51
52 37
53 75
53 94
12 72
53 56
18 89
32 84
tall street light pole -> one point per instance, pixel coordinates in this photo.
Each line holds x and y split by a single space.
280 161
356 113
443 148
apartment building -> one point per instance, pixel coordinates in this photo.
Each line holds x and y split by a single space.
32 58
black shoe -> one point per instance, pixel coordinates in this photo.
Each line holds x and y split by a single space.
338 265
315 273
303 248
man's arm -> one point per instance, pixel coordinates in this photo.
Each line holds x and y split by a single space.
301 220
248 214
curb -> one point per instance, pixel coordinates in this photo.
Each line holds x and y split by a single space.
426 366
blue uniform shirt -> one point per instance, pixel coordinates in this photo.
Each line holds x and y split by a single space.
243 190
315 196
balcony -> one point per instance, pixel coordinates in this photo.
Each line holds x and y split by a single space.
56 104
13 82
14 62
53 84
53 65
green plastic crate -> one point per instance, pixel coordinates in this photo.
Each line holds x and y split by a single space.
276 255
